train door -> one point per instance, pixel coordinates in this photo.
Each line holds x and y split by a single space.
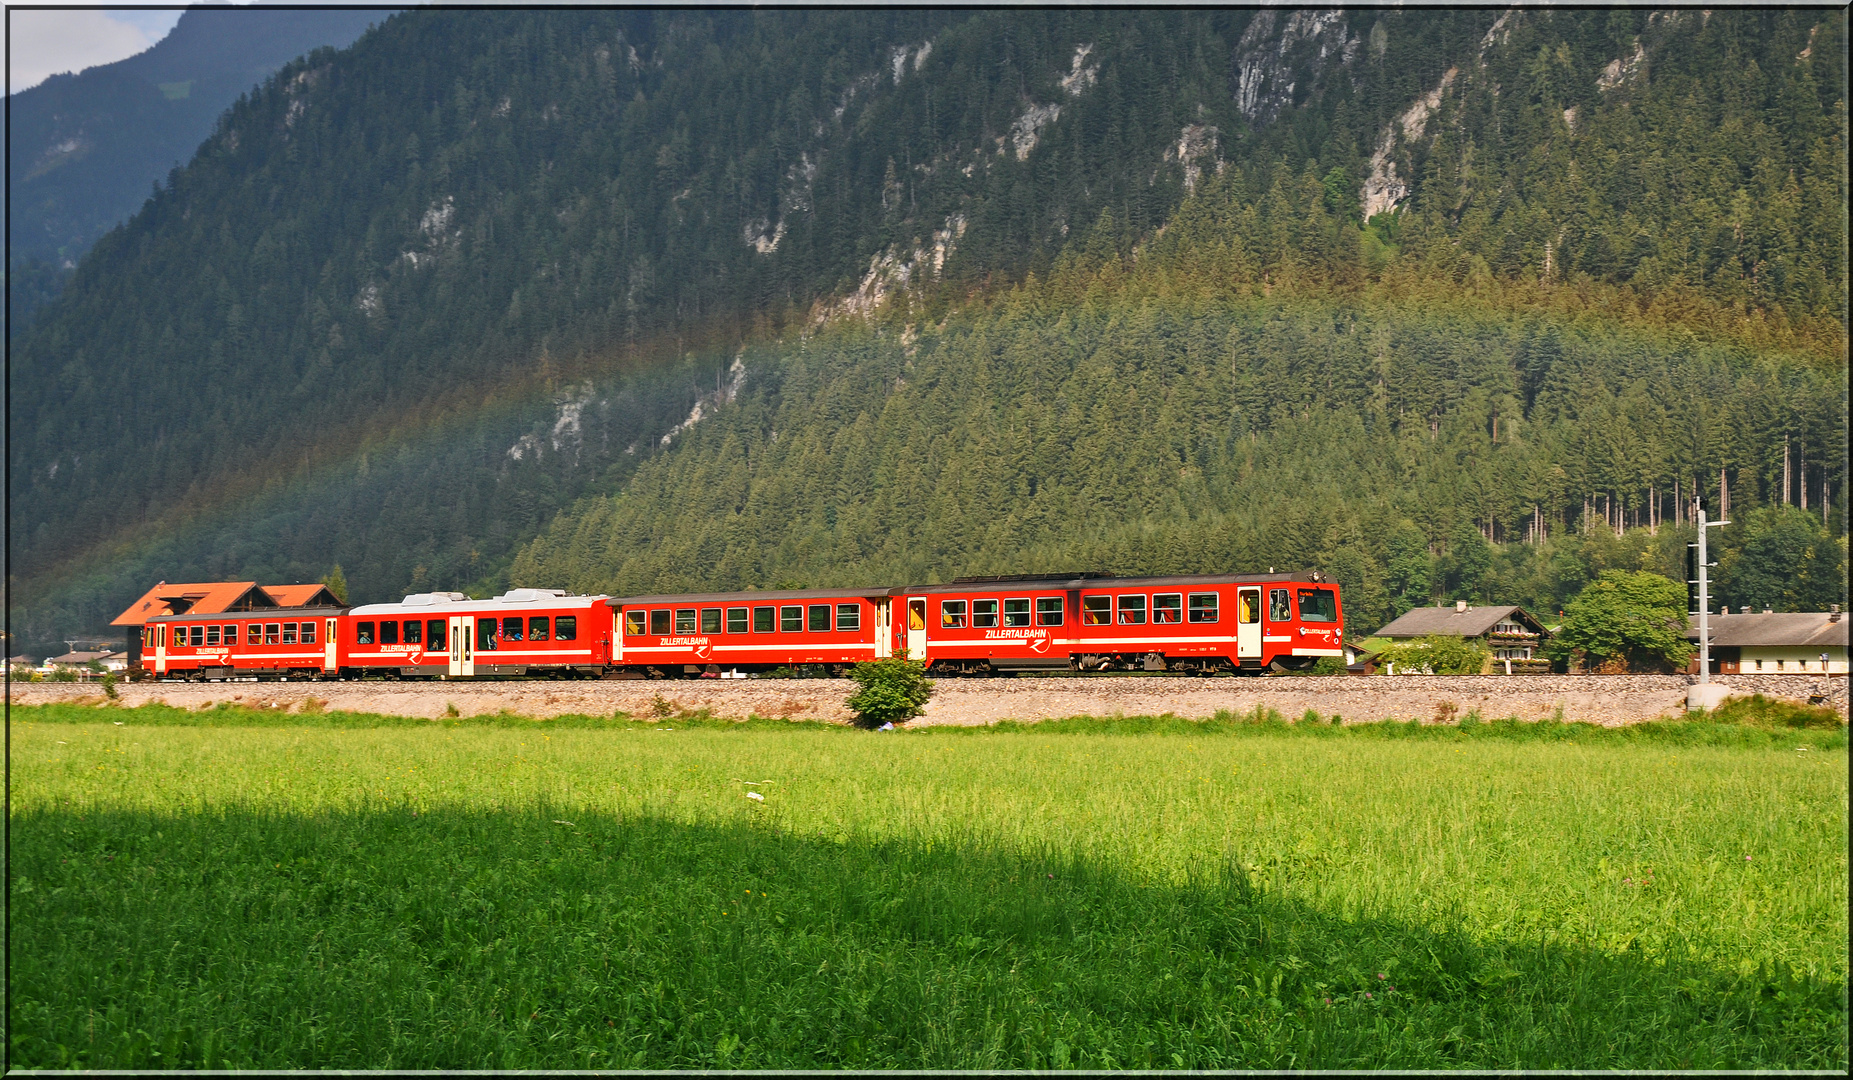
884 628
328 646
1248 624
462 639
916 628
160 649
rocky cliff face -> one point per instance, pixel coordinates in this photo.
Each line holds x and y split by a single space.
1283 57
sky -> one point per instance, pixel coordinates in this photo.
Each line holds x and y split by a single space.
44 43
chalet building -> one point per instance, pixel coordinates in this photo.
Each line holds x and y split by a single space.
1776 642
1509 633
211 598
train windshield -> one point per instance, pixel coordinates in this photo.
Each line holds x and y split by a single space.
1318 605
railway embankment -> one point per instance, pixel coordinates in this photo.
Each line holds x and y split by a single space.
1603 699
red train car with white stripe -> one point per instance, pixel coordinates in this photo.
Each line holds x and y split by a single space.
726 633
521 632
1245 623
268 643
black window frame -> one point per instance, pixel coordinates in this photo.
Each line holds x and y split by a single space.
437 635
543 624
1051 606
739 620
566 628
515 623
765 619
986 608
660 622
412 634
1280 605
363 633
711 625
389 632
1332 606
952 614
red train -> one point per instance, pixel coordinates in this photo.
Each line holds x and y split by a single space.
1242 623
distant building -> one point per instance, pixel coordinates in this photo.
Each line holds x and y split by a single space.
1776 642
1506 631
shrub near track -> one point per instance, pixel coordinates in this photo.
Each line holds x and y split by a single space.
333 892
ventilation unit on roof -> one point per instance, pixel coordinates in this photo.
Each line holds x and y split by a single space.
429 599
529 596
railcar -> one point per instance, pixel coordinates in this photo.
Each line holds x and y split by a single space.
1242 623
521 632
694 634
273 643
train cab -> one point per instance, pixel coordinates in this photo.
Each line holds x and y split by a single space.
1242 623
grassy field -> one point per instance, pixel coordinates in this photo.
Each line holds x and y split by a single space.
240 889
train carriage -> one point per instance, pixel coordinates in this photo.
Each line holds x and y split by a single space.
723 633
1233 623
521 632
270 643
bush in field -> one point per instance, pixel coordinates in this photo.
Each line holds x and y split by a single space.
1761 711
888 691
1625 620
1436 654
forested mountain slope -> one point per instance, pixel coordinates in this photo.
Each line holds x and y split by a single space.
84 148
1251 267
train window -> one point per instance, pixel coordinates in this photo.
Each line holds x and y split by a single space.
952 614
231 633
791 619
1167 608
271 630
1203 607
1016 611
1278 608
849 616
1318 605
511 628
1096 610
566 628
984 613
389 632
659 623
308 633
363 633
736 620
1132 611
289 631
434 635
537 628
414 632
485 635
763 620
710 620
199 635
818 618
685 620
1248 606
1048 611
212 635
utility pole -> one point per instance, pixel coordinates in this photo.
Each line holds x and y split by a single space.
1704 695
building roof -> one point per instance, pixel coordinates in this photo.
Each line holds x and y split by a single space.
77 658
1469 622
204 598
311 595
1808 629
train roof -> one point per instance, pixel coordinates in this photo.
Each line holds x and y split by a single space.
1068 582
450 603
753 597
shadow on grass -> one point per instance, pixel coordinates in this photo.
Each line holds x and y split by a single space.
542 938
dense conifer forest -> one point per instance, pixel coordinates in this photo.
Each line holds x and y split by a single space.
1446 303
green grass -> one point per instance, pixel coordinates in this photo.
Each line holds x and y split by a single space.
242 888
